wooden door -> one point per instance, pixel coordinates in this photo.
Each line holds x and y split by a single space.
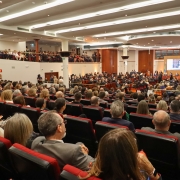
109 61
49 74
145 61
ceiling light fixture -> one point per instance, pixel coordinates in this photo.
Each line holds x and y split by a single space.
123 21
173 26
36 9
103 12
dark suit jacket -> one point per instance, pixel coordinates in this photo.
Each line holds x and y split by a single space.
64 153
119 121
174 116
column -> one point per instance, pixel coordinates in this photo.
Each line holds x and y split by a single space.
125 49
37 49
136 60
65 64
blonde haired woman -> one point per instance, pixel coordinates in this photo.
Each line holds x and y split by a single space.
7 96
162 105
18 129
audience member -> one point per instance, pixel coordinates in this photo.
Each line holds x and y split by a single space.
59 94
44 94
6 96
88 94
117 112
162 105
60 106
143 108
118 158
175 110
41 104
18 129
52 126
77 98
161 121
19 100
32 92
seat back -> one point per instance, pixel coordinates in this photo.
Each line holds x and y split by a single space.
5 165
152 105
104 105
141 120
94 113
50 104
107 113
162 151
33 114
73 109
101 128
32 165
70 99
80 130
175 126
2 107
71 173
131 109
11 109
31 101
85 102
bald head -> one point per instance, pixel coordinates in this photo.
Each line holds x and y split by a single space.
161 120
59 94
94 101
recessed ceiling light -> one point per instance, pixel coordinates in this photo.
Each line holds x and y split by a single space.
7 11
146 26
33 2
14 33
97 38
136 43
152 40
154 32
104 37
104 12
148 43
170 41
48 15
125 14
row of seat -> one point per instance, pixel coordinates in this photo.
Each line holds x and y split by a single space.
162 150
20 163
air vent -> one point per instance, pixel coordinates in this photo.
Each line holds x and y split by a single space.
50 34
80 38
22 29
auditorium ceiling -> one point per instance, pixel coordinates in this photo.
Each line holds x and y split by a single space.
144 24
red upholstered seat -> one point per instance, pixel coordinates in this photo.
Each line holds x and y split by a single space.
33 114
81 130
102 128
32 165
94 113
72 173
162 150
141 120
6 171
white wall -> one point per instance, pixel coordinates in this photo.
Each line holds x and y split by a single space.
18 46
28 71
83 68
19 70
132 62
158 65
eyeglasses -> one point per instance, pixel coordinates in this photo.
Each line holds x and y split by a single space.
65 122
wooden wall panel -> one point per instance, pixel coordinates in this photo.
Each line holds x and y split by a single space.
109 60
145 61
